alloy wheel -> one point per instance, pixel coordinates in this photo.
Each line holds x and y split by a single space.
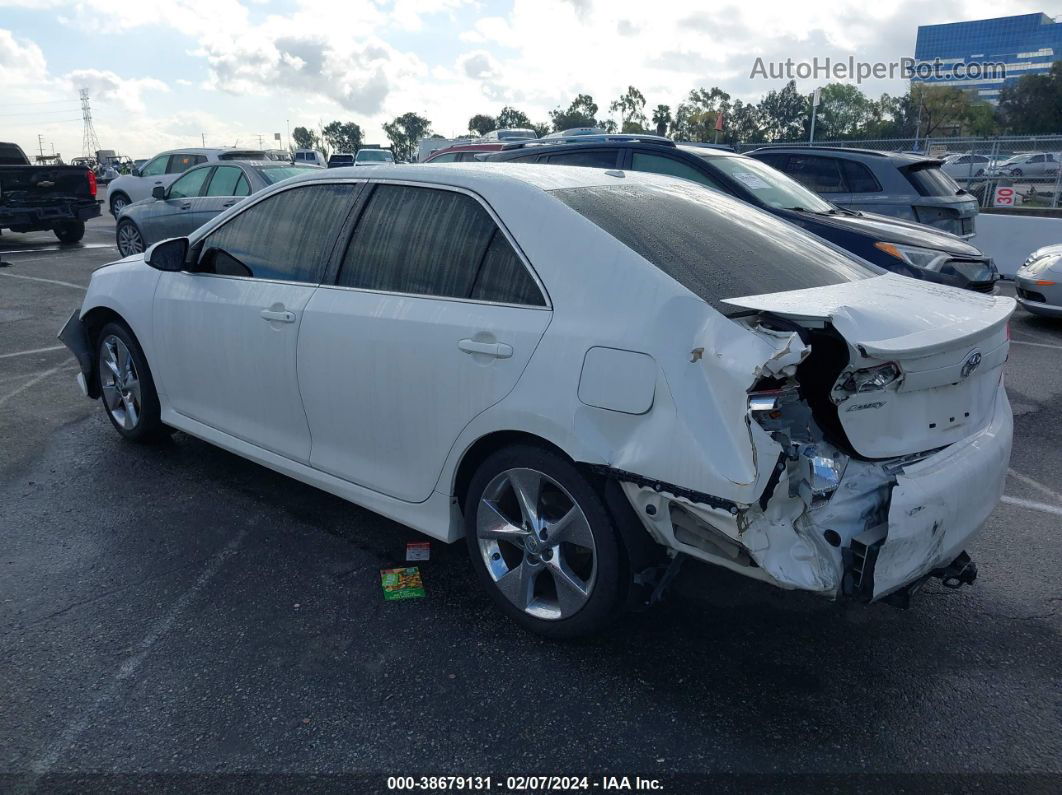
129 240
120 383
118 204
536 543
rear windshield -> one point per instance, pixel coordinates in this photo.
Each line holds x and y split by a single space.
374 155
715 246
929 180
276 173
11 155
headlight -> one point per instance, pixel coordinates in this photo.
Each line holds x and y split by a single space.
1037 267
927 258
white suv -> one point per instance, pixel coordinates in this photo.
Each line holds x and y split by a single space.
163 169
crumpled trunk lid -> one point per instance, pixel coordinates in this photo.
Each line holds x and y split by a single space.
947 346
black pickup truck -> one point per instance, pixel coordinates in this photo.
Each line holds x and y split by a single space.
36 198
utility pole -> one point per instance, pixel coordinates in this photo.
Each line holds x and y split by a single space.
203 137
40 144
287 138
814 109
259 140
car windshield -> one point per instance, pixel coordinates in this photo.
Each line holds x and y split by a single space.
273 174
376 156
767 184
714 245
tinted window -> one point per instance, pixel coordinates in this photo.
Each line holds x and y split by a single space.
433 242
775 161
374 156
595 158
821 174
929 180
155 167
243 187
189 185
767 185
859 178
287 236
1036 159
224 181
660 164
449 157
714 245
179 163
11 155
277 173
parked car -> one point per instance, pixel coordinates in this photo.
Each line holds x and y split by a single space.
340 159
373 157
463 152
911 187
965 167
1027 164
311 156
509 134
668 371
45 198
1039 282
194 198
896 245
163 169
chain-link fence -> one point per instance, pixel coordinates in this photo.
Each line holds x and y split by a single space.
1008 171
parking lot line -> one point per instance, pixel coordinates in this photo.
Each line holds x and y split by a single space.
1028 481
1043 507
47 281
35 350
1036 344
43 765
31 382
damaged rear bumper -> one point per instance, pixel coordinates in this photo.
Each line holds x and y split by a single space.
888 526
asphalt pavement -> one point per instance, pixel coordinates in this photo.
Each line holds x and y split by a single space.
181 612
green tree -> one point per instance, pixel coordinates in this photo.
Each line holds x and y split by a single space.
783 113
481 124
542 128
938 108
580 113
843 112
305 138
662 119
695 118
631 108
980 120
1033 105
512 119
744 125
404 133
342 136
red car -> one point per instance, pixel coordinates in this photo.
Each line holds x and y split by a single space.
462 153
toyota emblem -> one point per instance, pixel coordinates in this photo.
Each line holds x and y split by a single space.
972 362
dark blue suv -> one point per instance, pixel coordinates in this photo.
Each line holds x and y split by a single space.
896 245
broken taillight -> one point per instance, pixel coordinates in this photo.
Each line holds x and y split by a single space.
870 379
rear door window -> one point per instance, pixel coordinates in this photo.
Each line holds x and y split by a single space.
426 241
594 158
661 164
181 163
287 237
224 181
858 178
820 174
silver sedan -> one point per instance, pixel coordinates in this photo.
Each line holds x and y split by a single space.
193 199
1039 282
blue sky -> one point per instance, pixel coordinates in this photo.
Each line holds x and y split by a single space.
166 73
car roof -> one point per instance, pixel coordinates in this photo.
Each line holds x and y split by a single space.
862 155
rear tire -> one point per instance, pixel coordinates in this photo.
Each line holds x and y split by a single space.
70 231
543 544
127 389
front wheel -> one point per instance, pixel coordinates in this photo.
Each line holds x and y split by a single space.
119 201
543 543
1016 172
126 386
129 239
70 231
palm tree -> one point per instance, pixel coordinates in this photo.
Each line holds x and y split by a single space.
662 119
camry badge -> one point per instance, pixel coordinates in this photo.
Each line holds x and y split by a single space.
972 363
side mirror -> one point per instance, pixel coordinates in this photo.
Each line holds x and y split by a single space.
158 192
135 172
168 255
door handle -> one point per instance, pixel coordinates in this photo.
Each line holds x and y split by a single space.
499 350
186 206
228 204
278 315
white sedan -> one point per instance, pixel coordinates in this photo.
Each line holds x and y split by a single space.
583 373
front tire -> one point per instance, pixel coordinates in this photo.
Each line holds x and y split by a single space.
70 231
127 389
119 201
543 543
128 238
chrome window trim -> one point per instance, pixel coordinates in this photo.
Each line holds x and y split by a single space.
497 221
